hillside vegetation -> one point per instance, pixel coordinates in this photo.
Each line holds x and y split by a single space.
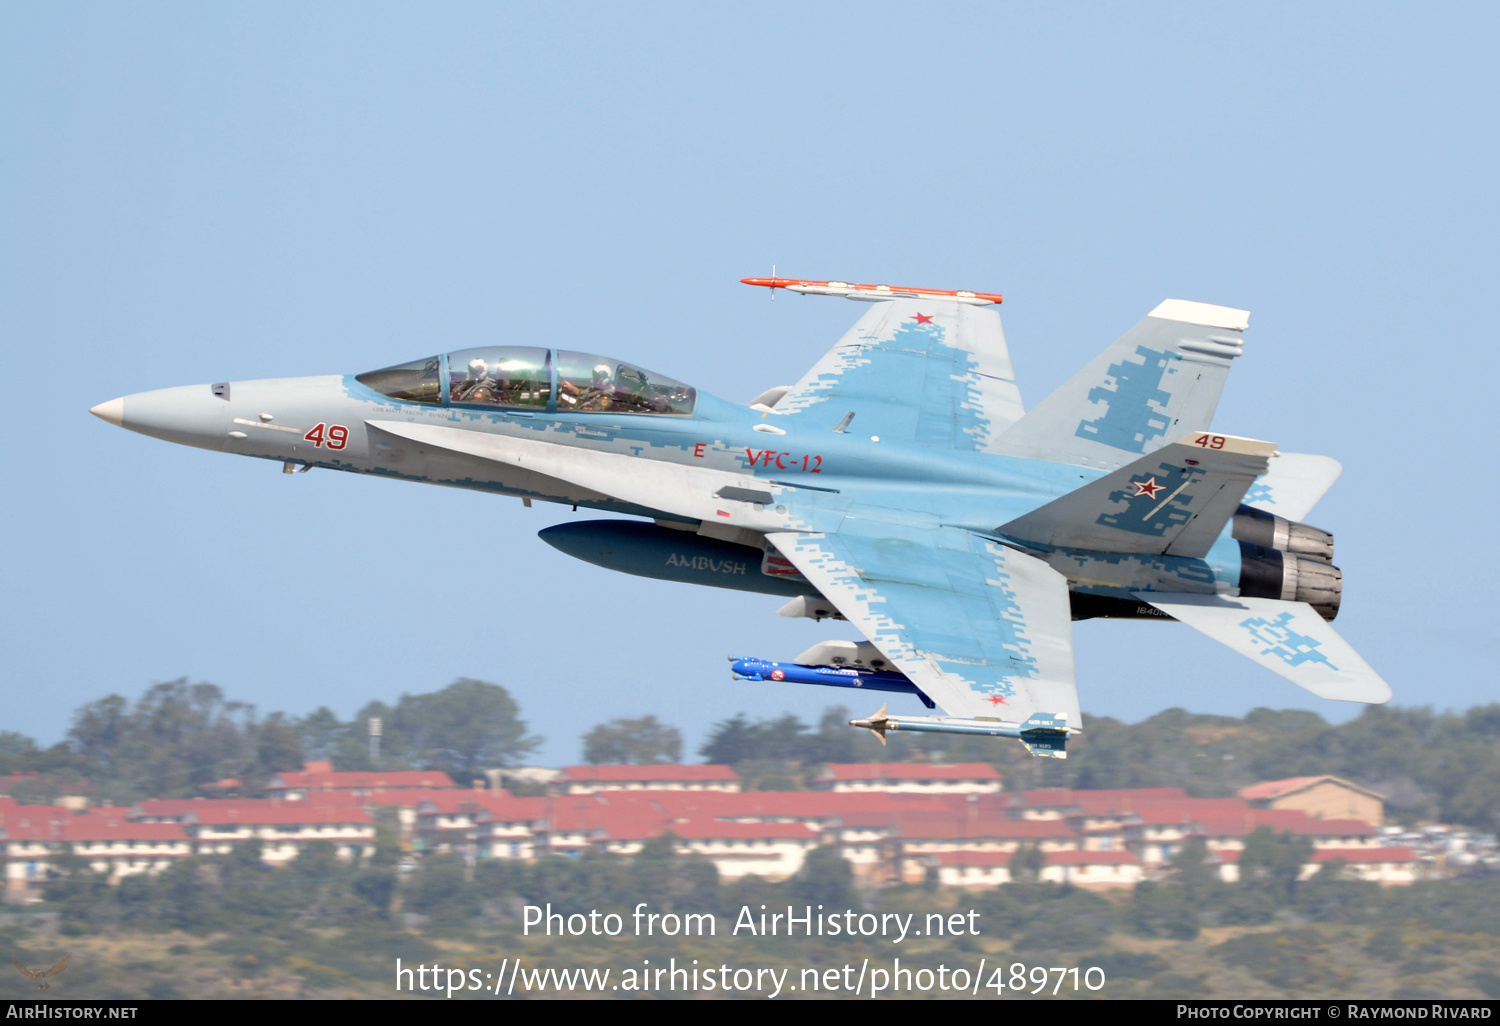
320 927
181 739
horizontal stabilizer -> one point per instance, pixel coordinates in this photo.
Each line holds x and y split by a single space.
1175 501
1293 484
1161 378
1287 638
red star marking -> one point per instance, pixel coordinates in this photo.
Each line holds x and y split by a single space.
995 700
924 318
1148 487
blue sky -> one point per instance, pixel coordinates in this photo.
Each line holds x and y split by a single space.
197 192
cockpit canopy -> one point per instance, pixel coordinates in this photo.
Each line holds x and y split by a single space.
500 376
525 377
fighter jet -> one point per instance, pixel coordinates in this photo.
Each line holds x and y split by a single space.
900 485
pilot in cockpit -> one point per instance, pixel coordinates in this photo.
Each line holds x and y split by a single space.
478 388
600 395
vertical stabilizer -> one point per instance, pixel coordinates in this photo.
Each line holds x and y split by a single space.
1159 380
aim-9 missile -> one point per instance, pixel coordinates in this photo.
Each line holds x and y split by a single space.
830 676
1042 734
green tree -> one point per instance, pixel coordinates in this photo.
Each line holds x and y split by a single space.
322 733
467 727
47 788
731 741
440 890
1476 802
177 738
245 859
18 753
826 879
318 860
640 741
387 836
189 900
1273 862
1063 918
1192 873
653 871
1332 895
277 748
78 889
1158 910
782 738
378 887
835 740
1027 863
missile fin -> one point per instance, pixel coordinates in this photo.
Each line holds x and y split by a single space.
876 724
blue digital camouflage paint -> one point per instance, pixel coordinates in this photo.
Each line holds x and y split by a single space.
1162 495
1284 643
1134 403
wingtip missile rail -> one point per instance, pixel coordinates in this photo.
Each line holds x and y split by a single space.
1043 734
828 676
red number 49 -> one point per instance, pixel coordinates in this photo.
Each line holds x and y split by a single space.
1206 441
336 435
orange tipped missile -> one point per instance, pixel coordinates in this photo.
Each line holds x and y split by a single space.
844 288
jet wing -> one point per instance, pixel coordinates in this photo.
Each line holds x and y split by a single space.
1287 638
931 371
982 629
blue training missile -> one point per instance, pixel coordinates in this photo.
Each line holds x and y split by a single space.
829 676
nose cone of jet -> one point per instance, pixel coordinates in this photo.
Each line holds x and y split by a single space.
190 415
112 412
